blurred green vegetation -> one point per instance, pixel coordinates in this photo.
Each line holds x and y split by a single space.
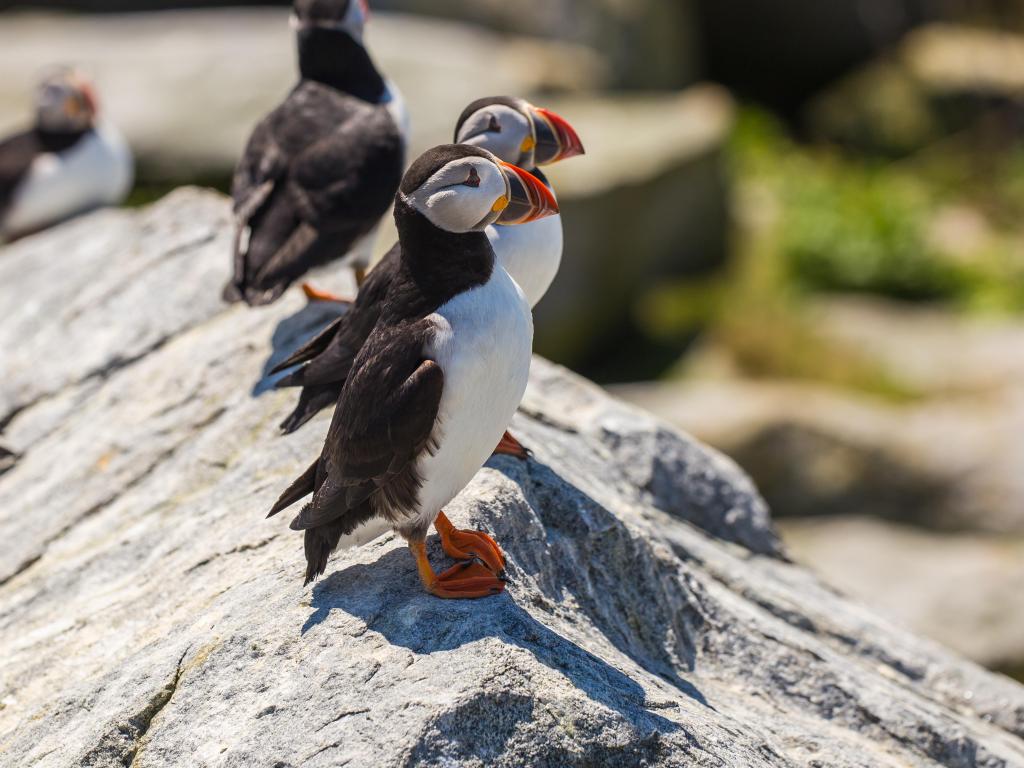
943 225
937 226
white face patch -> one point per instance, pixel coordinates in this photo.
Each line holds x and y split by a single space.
499 129
460 196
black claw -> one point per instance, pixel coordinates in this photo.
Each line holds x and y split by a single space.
503 575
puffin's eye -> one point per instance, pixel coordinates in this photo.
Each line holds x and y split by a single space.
473 180
494 126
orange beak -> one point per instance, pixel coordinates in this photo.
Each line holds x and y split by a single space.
556 139
529 199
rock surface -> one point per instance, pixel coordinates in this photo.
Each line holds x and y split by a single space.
649 200
916 508
150 616
949 459
186 87
964 590
649 44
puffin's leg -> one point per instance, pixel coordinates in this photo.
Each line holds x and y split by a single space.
463 580
465 545
315 294
509 446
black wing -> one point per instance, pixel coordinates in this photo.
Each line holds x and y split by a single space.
318 173
16 155
328 357
384 421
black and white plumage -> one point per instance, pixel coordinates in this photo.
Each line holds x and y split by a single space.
436 382
322 168
516 132
70 161
528 136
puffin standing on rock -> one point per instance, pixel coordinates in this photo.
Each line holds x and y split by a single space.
320 170
438 378
516 132
68 163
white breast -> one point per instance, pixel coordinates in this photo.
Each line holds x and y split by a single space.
530 253
483 346
97 170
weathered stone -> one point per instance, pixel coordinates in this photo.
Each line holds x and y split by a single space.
950 459
648 203
964 590
150 616
649 44
186 87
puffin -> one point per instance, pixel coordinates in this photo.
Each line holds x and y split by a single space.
438 378
515 131
322 168
69 162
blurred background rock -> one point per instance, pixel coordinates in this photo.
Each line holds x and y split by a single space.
798 233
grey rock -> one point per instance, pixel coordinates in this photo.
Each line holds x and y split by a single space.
965 590
950 459
150 616
186 87
650 45
648 202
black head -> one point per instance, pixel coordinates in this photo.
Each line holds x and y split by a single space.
344 15
65 102
517 132
460 188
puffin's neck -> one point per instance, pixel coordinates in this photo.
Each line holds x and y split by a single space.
332 57
58 141
440 263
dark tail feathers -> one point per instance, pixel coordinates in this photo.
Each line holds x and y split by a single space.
315 346
312 400
318 543
303 486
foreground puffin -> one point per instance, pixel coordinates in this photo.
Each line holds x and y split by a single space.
516 132
438 378
322 168
69 162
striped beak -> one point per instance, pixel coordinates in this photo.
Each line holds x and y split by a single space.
556 139
529 199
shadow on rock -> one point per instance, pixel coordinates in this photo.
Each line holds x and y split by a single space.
387 596
614 577
290 334
8 459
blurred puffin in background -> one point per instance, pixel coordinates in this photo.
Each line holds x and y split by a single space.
322 168
69 162
438 378
516 132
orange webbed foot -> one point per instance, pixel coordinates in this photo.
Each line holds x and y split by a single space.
509 446
464 580
315 294
465 545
